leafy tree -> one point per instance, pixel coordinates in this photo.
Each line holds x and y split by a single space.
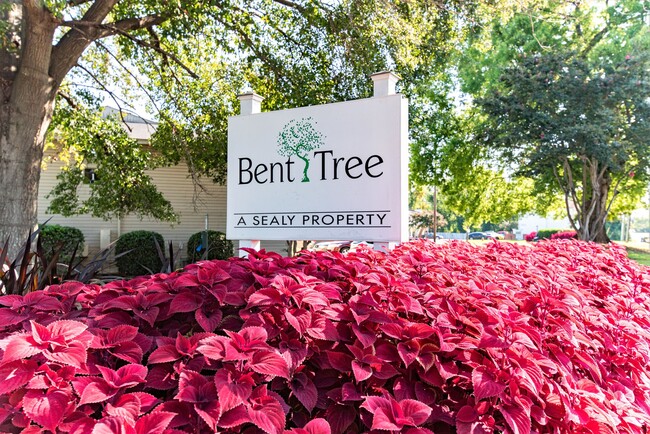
563 85
298 137
444 152
579 126
185 55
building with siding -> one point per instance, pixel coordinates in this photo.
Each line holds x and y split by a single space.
209 210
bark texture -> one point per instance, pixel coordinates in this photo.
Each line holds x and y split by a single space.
25 113
32 68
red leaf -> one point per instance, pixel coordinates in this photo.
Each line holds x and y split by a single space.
164 354
305 390
300 319
16 374
121 333
74 354
485 385
233 388
361 371
341 417
96 391
47 408
517 419
154 423
267 414
340 361
234 417
127 351
208 322
416 410
318 426
185 302
8 317
270 363
66 329
467 414
19 347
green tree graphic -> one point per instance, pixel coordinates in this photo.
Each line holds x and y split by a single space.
298 137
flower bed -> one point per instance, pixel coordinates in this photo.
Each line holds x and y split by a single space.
429 338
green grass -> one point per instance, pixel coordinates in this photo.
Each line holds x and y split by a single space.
638 255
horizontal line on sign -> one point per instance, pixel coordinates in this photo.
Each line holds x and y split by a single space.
306 212
309 227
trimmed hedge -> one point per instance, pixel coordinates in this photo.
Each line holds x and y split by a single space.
218 246
544 234
66 238
143 257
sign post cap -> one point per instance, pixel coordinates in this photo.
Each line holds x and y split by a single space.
384 83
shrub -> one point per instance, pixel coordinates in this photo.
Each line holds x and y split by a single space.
427 338
66 238
544 234
218 246
144 257
565 235
531 236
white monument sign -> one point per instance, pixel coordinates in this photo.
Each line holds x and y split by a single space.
335 171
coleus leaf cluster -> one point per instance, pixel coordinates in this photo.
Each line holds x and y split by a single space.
428 338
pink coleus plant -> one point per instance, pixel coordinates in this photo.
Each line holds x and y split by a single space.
427 338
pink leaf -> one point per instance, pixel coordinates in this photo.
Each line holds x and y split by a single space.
318 426
361 371
266 413
96 391
8 317
74 355
300 319
209 322
214 347
485 386
127 351
416 410
233 388
19 347
47 408
186 302
270 363
382 420
234 417
154 423
517 419
120 334
67 329
16 374
166 353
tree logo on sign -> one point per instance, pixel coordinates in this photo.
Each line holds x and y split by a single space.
299 137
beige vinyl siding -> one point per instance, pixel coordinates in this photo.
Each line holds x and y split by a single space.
177 187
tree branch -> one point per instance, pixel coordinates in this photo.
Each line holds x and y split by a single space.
77 2
128 71
71 46
68 98
165 54
98 81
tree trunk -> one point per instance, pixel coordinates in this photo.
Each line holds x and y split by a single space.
305 177
595 209
25 113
